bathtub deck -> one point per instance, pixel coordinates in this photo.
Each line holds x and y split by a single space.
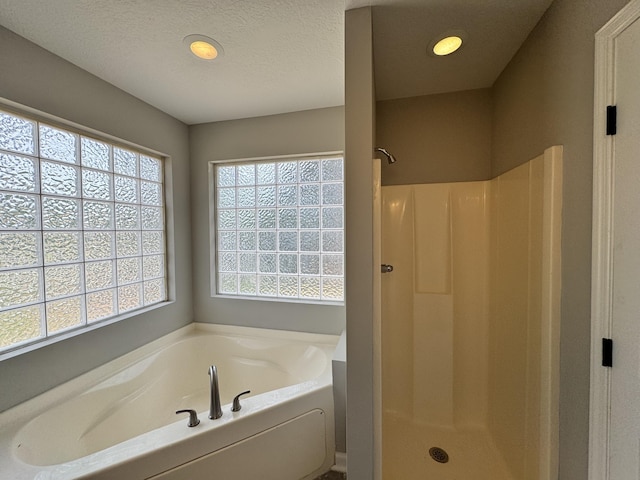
406 453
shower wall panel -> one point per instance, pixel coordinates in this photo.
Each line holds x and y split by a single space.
508 341
435 302
470 314
524 313
397 300
470 234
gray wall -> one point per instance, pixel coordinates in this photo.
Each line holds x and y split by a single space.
436 138
545 97
359 134
34 77
311 131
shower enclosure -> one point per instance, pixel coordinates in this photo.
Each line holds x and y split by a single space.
469 326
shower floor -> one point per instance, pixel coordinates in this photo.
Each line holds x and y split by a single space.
406 444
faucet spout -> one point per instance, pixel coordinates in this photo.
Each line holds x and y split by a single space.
215 409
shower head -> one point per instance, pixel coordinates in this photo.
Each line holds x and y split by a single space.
390 158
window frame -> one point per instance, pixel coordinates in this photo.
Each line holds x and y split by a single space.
213 230
34 115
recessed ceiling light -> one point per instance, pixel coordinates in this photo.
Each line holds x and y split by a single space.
203 47
447 43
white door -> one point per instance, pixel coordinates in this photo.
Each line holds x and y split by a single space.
625 327
616 393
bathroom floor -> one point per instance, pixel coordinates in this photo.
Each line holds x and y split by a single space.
332 476
406 455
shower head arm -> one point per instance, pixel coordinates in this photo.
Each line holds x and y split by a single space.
390 158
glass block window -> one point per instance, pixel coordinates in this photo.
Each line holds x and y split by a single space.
82 233
279 228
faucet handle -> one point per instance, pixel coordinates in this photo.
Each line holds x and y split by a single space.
193 417
236 401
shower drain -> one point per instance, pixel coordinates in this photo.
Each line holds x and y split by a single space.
439 455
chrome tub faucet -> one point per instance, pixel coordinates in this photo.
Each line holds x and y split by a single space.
215 409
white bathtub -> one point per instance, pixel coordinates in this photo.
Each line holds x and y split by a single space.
119 421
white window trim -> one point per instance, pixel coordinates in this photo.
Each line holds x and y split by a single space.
213 237
169 231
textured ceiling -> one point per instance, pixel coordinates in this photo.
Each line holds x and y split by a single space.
280 55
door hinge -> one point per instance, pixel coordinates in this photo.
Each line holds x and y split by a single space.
607 352
612 119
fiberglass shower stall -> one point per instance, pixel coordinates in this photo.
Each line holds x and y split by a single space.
469 326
